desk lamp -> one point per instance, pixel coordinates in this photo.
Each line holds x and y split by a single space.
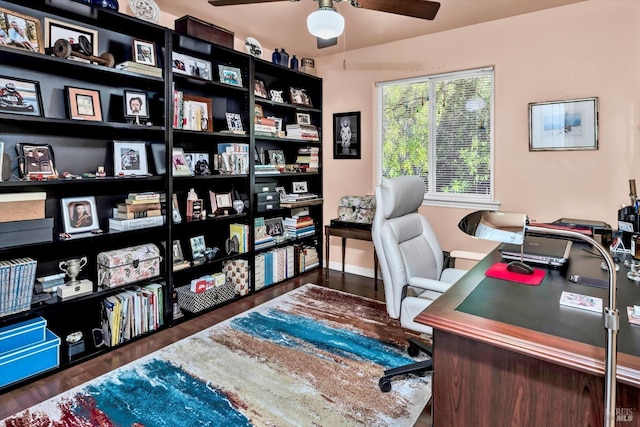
508 227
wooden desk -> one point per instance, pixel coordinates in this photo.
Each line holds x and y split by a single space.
350 233
509 354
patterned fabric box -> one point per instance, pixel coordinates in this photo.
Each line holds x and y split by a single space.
194 303
237 272
359 209
128 265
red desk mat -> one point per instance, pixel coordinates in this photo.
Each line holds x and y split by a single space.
499 271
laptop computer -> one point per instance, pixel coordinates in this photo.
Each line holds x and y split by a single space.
539 250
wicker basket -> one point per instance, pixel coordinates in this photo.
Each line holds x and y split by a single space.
194 303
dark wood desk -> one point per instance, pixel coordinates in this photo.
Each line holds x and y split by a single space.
350 233
509 354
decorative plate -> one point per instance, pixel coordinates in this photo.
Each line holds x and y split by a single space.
253 47
146 10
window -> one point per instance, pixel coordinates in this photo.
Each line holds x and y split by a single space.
440 128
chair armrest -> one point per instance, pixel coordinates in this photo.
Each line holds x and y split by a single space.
473 256
428 284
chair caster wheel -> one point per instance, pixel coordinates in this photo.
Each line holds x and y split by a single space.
384 384
413 350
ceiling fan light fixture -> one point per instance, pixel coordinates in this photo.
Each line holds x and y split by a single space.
325 23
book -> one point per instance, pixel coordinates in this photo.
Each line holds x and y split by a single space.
135 224
141 202
140 207
144 196
584 302
142 214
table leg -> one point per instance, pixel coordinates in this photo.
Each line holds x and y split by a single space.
327 249
344 247
375 269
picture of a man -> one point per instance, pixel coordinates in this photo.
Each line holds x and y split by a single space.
135 106
130 159
144 55
18 35
202 166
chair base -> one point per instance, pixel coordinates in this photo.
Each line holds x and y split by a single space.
414 349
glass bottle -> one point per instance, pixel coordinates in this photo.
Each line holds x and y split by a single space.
294 62
276 57
284 58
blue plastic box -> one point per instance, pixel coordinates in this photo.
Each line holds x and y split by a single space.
21 334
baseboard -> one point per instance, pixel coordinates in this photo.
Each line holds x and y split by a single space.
353 269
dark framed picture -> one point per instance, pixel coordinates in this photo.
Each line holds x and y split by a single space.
276 158
129 158
198 163
230 75
346 135
136 104
83 104
274 226
79 214
20 96
198 246
300 97
144 52
55 30
35 159
299 187
303 118
260 89
20 31
178 255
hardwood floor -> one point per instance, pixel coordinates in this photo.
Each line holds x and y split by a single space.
21 398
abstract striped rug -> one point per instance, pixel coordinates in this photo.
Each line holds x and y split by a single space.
311 357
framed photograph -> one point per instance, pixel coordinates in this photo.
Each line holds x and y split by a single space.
223 200
258 111
346 135
198 246
178 255
198 163
190 66
276 95
35 159
299 187
136 104
197 113
20 31
79 214
274 226
283 193
276 158
55 30
234 121
179 161
303 118
564 125
129 158
20 96
300 97
278 121
260 89
83 104
230 75
144 52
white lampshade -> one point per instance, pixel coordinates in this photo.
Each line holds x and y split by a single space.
325 23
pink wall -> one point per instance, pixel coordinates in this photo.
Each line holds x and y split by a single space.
588 49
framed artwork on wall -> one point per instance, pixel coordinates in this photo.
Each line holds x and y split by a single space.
346 135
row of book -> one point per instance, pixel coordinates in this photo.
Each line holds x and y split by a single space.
282 263
240 233
306 132
191 112
139 210
133 312
232 158
17 278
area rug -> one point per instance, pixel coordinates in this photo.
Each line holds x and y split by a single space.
311 357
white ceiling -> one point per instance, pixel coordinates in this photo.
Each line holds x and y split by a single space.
283 23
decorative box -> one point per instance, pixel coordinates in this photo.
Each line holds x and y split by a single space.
21 334
196 302
128 265
204 30
237 272
26 232
271 196
22 206
266 187
268 206
359 209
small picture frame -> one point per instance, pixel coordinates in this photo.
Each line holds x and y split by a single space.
276 95
178 255
230 75
283 193
20 31
274 226
276 158
300 97
190 66
55 30
260 89
200 164
224 200
136 104
35 160
23 96
234 122
197 113
278 121
144 52
346 131
303 118
258 111
179 162
129 158
79 214
83 104
299 187
198 246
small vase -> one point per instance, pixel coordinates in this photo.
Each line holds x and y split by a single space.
276 57
294 63
238 205
284 58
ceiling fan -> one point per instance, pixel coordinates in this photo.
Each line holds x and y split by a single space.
327 24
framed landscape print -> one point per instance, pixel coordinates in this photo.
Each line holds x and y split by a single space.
83 104
20 96
346 135
129 158
20 31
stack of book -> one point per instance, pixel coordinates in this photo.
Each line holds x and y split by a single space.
264 126
299 197
265 169
261 238
139 210
308 159
306 132
49 283
300 226
17 278
134 67
233 158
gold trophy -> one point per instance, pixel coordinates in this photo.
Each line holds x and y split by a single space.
74 287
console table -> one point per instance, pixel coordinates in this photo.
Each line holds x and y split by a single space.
351 233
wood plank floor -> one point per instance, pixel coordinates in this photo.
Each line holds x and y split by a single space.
21 398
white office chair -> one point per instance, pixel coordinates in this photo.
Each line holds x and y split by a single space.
412 262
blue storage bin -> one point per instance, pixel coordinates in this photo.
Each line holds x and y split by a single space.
28 360
22 334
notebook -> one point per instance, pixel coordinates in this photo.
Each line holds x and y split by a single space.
539 250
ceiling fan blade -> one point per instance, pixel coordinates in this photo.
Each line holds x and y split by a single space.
423 9
322 43
234 2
